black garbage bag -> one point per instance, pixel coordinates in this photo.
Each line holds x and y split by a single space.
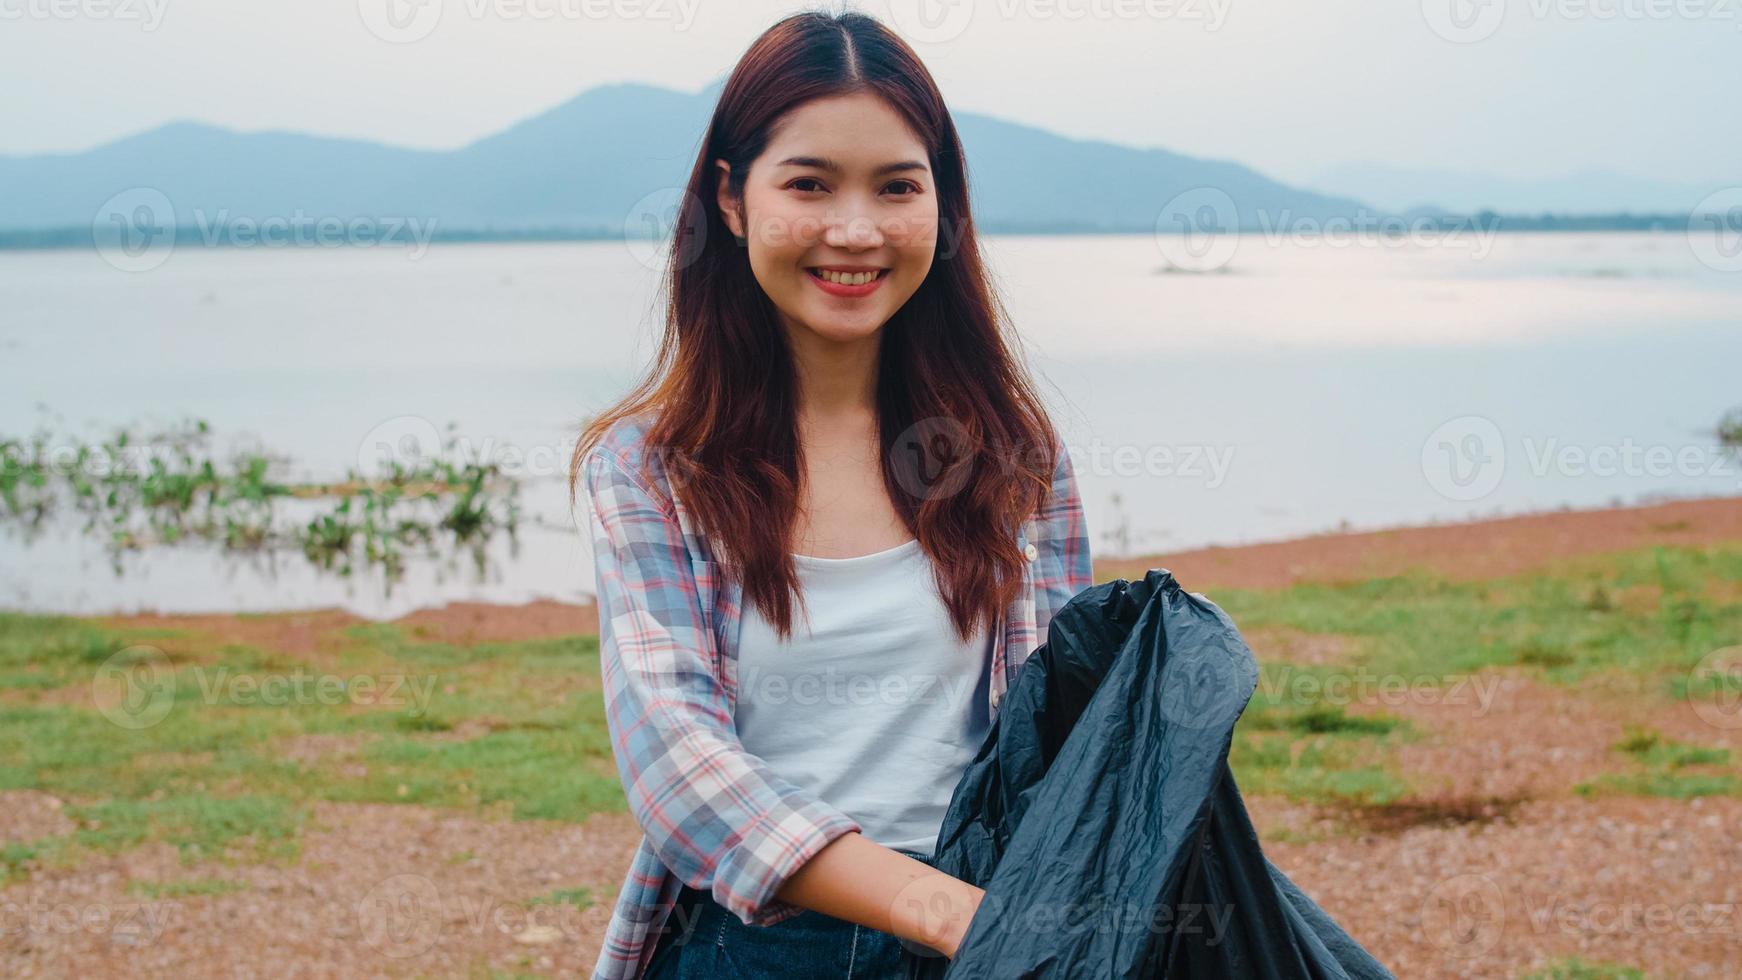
1102 819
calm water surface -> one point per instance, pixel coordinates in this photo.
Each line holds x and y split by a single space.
1307 385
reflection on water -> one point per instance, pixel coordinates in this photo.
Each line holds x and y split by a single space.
1312 384
150 491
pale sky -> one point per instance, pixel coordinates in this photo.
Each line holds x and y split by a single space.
1646 88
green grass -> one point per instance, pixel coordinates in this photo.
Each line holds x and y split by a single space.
1577 969
1645 617
213 777
1565 622
1665 767
581 898
520 728
157 890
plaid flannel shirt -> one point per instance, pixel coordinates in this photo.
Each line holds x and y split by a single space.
713 815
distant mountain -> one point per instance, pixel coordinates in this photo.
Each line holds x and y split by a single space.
584 165
1467 192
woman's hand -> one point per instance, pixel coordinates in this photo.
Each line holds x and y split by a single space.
958 925
861 881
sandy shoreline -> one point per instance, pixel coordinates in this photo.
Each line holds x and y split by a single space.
1473 549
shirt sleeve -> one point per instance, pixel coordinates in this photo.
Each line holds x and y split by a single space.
716 815
1063 565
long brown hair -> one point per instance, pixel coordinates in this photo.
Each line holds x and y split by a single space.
968 451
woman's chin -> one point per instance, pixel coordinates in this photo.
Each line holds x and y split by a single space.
837 330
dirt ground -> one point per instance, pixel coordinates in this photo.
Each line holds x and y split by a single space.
1499 869
1472 549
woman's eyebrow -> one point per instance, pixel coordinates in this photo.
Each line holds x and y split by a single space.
824 163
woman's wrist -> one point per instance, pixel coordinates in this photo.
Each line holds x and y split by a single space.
935 910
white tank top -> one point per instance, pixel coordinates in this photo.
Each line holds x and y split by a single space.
874 704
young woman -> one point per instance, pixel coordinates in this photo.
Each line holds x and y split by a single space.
829 526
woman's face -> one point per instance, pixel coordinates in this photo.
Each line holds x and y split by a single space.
842 185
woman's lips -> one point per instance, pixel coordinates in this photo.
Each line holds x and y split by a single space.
836 289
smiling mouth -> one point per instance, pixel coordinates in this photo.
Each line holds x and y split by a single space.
846 279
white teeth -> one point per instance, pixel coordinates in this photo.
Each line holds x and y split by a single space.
847 278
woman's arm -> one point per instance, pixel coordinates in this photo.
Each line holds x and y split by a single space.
716 814
1063 566
859 880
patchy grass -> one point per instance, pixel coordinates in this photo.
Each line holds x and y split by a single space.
516 726
47 652
157 890
1647 616
1577 969
1652 613
581 898
1667 768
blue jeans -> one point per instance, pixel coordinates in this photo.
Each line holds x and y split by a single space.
704 941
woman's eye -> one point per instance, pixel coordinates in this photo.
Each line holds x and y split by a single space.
812 184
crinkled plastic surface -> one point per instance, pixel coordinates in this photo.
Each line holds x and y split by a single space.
1102 819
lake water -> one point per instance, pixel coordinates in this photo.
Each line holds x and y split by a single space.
1303 386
